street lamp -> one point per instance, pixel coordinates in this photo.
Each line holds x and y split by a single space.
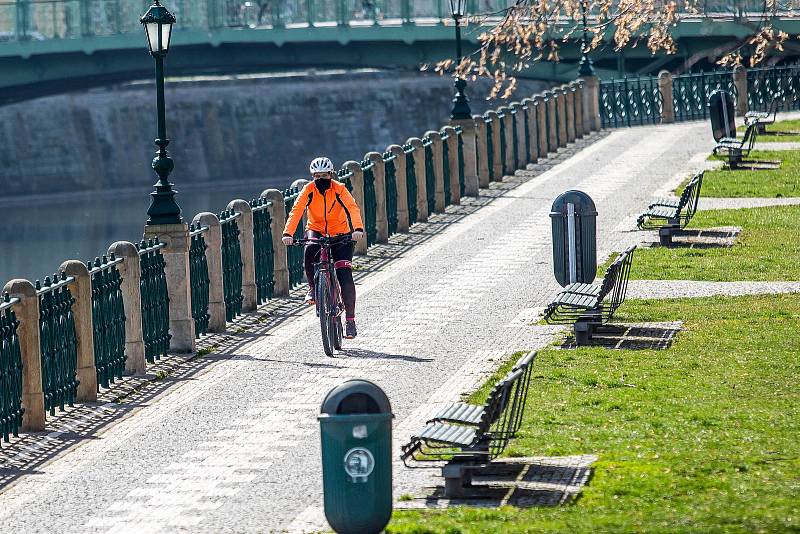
461 111
585 66
157 24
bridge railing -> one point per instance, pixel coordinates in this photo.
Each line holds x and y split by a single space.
93 324
666 98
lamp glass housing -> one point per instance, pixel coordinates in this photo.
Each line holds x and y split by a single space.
157 24
458 8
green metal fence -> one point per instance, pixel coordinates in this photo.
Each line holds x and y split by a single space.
58 342
446 166
690 92
155 300
231 264
764 85
460 133
370 202
108 320
294 255
430 177
198 278
411 184
264 254
391 191
630 101
11 409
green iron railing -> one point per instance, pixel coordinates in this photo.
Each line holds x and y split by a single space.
411 184
764 85
460 133
231 264
58 342
346 177
489 146
690 92
198 278
264 254
108 320
391 191
446 167
294 255
430 177
155 300
630 101
370 202
11 409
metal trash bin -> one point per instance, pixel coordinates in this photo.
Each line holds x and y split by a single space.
356 433
721 109
574 219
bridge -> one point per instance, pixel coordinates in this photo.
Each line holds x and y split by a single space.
51 46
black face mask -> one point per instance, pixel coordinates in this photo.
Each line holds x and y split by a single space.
323 184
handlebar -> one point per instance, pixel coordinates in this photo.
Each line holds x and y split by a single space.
324 241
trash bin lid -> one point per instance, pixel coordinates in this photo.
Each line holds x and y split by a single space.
584 205
355 397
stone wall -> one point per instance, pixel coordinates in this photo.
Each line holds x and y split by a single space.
265 127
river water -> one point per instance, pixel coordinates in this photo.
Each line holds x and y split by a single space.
40 234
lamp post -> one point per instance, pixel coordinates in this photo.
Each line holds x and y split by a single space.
157 24
585 66
461 109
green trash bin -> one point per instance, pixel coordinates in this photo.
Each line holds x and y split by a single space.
722 111
574 220
356 432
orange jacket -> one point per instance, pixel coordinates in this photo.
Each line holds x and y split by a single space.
333 213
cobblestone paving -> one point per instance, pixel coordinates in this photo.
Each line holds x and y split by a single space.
230 442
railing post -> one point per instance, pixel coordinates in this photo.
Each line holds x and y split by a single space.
497 163
522 149
247 247
533 138
508 131
591 104
469 137
81 290
740 82
540 104
552 126
405 11
562 116
419 172
481 151
400 183
130 270
580 125
357 179
451 181
667 101
277 214
176 257
438 169
216 292
27 313
569 91
379 172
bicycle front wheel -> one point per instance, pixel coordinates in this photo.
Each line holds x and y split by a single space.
323 291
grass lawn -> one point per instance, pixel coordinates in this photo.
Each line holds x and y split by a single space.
783 182
779 126
701 437
767 249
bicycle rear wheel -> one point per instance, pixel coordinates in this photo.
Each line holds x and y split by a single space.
324 309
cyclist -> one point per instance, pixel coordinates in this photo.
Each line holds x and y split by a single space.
332 211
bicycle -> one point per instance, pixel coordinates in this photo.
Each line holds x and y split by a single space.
327 293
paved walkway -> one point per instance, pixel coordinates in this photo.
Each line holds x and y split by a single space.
670 289
230 442
711 203
776 145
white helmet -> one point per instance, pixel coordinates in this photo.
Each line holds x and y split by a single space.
321 165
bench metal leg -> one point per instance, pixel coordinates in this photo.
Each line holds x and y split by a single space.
583 332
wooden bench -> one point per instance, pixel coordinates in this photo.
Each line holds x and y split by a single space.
587 306
668 216
470 436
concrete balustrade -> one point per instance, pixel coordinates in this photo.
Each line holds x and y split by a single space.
668 103
216 293
402 186
481 150
470 138
246 238
277 214
452 180
27 313
497 161
740 82
131 272
521 116
357 179
580 127
591 104
379 172
562 116
508 134
552 126
542 134
533 139
570 98
438 169
419 172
